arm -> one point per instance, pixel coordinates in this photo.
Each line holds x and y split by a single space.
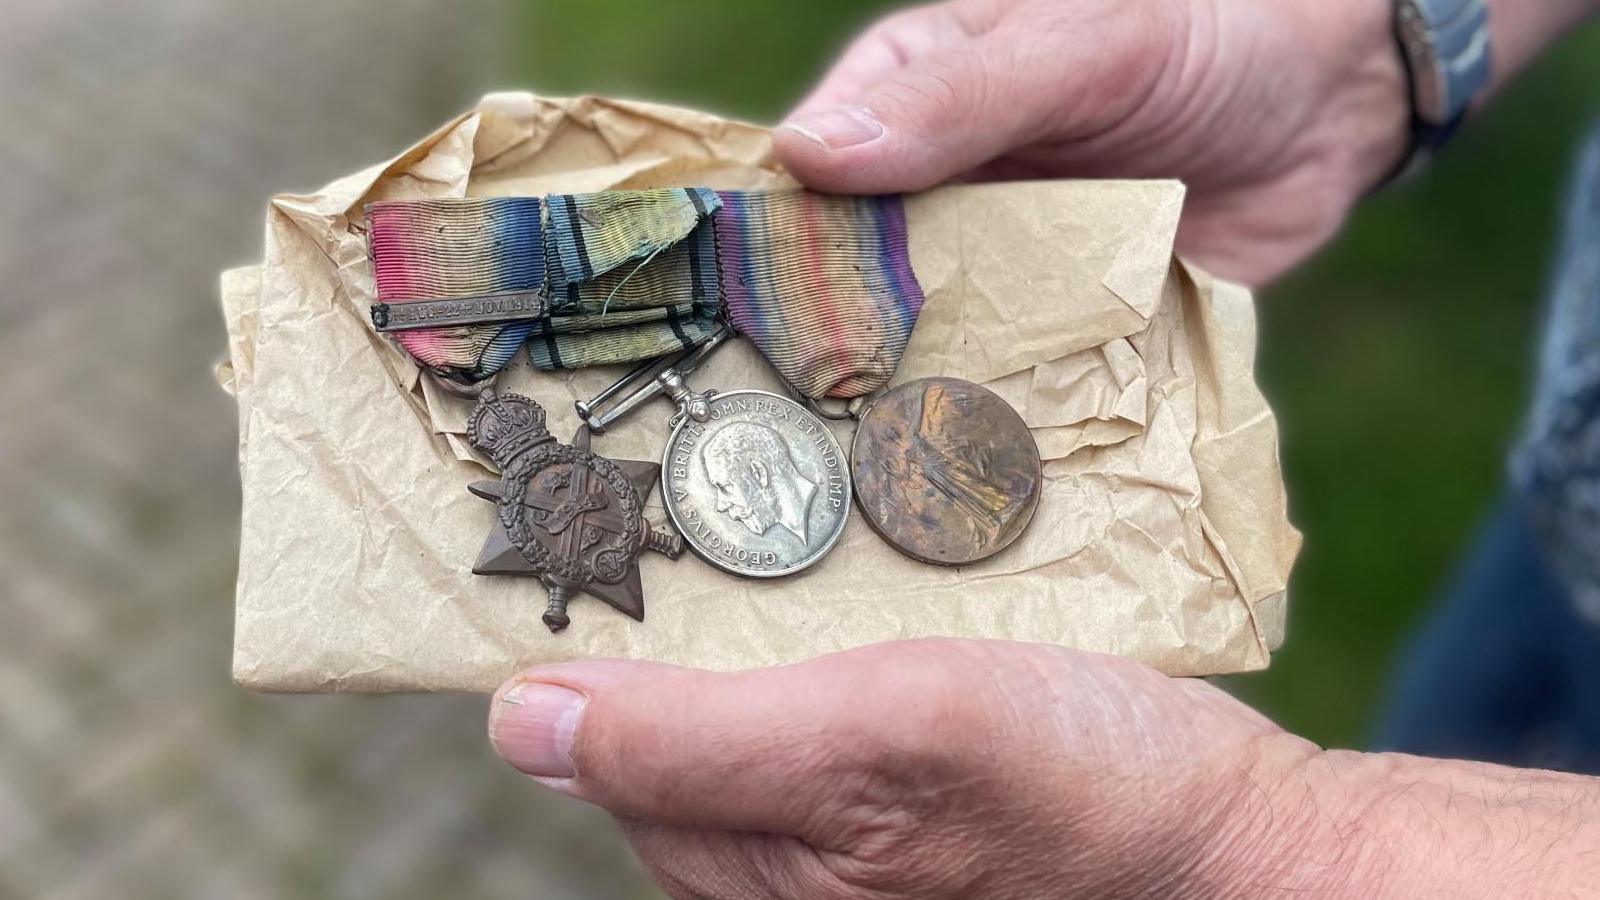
1524 29
1388 825
1279 116
999 770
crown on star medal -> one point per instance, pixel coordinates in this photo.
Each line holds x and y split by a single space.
505 426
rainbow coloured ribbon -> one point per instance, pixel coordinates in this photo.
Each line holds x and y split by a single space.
433 249
821 284
582 279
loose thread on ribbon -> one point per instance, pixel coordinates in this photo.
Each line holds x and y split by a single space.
606 307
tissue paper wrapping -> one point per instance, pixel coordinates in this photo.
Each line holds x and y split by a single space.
1161 534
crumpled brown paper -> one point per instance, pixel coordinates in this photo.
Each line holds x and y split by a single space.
1161 535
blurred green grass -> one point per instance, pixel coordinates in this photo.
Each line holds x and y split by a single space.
1398 360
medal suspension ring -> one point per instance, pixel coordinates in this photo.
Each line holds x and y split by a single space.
514 515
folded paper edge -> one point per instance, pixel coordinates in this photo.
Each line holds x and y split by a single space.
1271 542
1159 236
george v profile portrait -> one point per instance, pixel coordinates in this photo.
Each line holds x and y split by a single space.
757 481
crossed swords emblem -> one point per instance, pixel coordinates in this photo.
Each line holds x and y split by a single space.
566 515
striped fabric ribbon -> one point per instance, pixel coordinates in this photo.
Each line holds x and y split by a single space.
591 234
633 275
578 342
821 284
431 249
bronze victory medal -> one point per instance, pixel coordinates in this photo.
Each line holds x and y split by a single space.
756 483
945 471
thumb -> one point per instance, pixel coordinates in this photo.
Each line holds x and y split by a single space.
937 117
801 750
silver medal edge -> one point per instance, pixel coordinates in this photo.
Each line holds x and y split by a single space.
813 558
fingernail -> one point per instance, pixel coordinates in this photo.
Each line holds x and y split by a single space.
532 726
836 129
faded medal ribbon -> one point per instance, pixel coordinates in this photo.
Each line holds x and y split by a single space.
460 283
821 284
581 279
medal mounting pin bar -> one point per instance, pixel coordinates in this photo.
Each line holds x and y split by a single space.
655 377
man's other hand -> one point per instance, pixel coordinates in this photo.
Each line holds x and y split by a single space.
1279 115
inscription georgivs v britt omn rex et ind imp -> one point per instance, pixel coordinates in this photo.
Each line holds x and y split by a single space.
760 488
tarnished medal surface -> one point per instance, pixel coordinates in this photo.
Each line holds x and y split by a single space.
756 482
945 471
570 517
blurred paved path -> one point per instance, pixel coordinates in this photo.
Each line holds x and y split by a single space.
138 145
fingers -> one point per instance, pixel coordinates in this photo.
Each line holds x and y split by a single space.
806 750
892 43
692 862
922 98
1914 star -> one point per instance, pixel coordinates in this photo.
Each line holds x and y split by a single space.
572 518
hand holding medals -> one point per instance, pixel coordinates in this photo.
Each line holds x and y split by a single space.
756 482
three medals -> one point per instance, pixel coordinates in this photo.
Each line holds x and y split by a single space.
756 483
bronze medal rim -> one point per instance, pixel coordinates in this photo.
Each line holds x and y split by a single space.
709 557
1025 519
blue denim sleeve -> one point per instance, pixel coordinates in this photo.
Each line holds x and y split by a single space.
1556 467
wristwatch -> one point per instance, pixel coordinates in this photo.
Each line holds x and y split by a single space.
1445 45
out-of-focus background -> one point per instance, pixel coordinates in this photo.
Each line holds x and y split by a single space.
138 146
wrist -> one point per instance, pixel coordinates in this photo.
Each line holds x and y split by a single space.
1520 30
1372 826
1366 91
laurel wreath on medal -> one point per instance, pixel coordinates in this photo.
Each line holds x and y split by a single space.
611 564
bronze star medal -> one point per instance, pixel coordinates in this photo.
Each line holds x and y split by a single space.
570 517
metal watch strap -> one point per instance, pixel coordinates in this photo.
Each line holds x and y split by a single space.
1445 47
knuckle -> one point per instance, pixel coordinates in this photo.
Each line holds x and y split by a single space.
939 95
926 727
929 769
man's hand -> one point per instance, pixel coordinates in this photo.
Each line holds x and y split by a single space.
924 769
1279 115
1000 770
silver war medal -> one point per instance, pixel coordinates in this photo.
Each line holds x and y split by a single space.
756 482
